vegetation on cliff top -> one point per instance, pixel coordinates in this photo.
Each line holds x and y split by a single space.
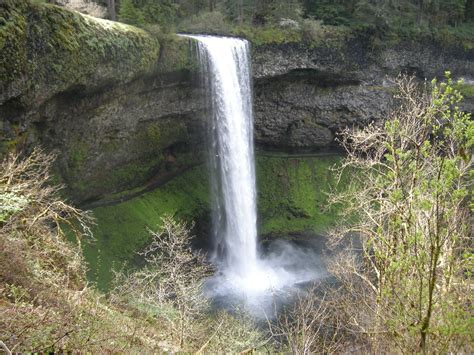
281 21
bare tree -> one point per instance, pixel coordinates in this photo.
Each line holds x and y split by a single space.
409 201
173 277
309 325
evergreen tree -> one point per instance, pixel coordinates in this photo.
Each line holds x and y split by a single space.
131 14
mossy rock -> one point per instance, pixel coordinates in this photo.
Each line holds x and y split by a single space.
293 194
46 49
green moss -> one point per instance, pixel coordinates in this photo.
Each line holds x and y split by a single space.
78 154
121 229
291 198
160 135
132 173
467 90
56 48
292 194
13 40
176 54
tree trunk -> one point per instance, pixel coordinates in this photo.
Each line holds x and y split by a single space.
469 10
111 10
419 16
240 11
212 5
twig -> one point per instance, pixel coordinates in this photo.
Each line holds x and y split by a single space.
209 340
4 347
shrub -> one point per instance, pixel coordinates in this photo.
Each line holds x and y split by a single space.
314 33
169 290
413 220
130 14
172 280
206 22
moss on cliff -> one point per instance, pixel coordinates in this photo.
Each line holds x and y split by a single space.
292 194
121 229
292 197
13 40
45 49
149 151
176 54
467 90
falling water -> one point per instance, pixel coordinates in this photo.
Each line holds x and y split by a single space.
225 66
226 71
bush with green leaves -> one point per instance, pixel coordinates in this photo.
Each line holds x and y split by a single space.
206 22
411 206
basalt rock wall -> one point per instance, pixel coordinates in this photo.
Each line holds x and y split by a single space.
122 108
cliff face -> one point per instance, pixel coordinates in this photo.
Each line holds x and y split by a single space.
122 108
112 101
304 96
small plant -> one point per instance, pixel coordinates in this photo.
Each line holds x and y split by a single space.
206 22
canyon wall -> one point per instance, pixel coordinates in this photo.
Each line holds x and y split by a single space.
122 108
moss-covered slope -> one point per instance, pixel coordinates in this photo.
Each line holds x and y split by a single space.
45 49
292 198
293 194
122 229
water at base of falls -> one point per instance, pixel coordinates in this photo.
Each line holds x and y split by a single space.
225 69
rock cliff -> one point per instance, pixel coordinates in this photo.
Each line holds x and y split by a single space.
304 95
122 108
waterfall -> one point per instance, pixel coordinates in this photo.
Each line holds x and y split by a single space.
226 74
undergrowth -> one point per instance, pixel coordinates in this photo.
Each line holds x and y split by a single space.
46 304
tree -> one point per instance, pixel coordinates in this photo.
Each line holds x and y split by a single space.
131 14
111 9
173 276
410 201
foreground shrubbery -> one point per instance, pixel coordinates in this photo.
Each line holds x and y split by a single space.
412 280
46 303
402 262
